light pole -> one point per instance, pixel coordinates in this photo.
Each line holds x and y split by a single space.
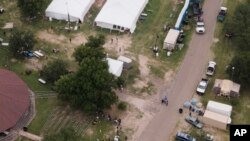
68 15
233 72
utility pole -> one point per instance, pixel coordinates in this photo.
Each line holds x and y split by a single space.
68 15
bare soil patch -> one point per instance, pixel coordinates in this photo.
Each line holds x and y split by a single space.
67 44
118 44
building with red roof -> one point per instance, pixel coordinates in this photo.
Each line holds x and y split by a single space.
14 99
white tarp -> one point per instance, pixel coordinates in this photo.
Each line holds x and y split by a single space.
120 14
219 108
115 67
73 10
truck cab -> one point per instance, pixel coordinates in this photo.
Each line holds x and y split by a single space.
222 14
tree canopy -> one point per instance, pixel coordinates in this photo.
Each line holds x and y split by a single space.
238 24
95 41
90 88
31 8
88 52
239 69
54 70
21 41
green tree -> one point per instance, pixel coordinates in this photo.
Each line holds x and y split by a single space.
90 88
21 41
31 8
239 69
88 52
95 42
238 24
54 70
67 134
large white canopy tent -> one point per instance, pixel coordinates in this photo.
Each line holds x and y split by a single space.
73 10
115 67
120 15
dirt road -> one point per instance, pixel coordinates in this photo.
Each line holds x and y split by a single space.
183 87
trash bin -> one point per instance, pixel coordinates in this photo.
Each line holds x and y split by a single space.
180 110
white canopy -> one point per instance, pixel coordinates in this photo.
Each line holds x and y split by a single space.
219 108
120 14
115 67
73 10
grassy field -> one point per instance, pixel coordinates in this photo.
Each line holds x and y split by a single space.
51 116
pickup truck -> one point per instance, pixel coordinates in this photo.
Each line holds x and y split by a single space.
202 86
222 14
211 68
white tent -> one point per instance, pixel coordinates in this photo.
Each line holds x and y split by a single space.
216 120
120 15
219 108
115 67
171 39
72 10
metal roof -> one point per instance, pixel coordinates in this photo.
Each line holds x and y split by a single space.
14 99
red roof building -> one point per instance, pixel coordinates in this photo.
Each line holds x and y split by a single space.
14 99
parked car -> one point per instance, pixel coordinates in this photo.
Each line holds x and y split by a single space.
211 68
200 27
202 86
222 14
181 136
28 54
197 9
194 121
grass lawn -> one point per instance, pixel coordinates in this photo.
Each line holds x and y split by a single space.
43 109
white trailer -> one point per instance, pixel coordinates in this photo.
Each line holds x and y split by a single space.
171 39
219 108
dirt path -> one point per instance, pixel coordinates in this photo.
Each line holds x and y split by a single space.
161 127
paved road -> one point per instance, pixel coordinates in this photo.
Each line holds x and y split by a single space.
190 72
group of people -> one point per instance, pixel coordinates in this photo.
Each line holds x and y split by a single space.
164 100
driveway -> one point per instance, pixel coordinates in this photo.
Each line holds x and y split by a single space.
193 67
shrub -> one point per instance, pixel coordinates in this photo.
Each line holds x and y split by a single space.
122 106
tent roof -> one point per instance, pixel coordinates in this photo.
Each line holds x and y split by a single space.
216 116
220 106
115 66
226 86
14 99
75 8
172 36
121 12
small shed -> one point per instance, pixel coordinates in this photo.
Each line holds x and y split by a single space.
171 39
216 120
226 88
127 62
